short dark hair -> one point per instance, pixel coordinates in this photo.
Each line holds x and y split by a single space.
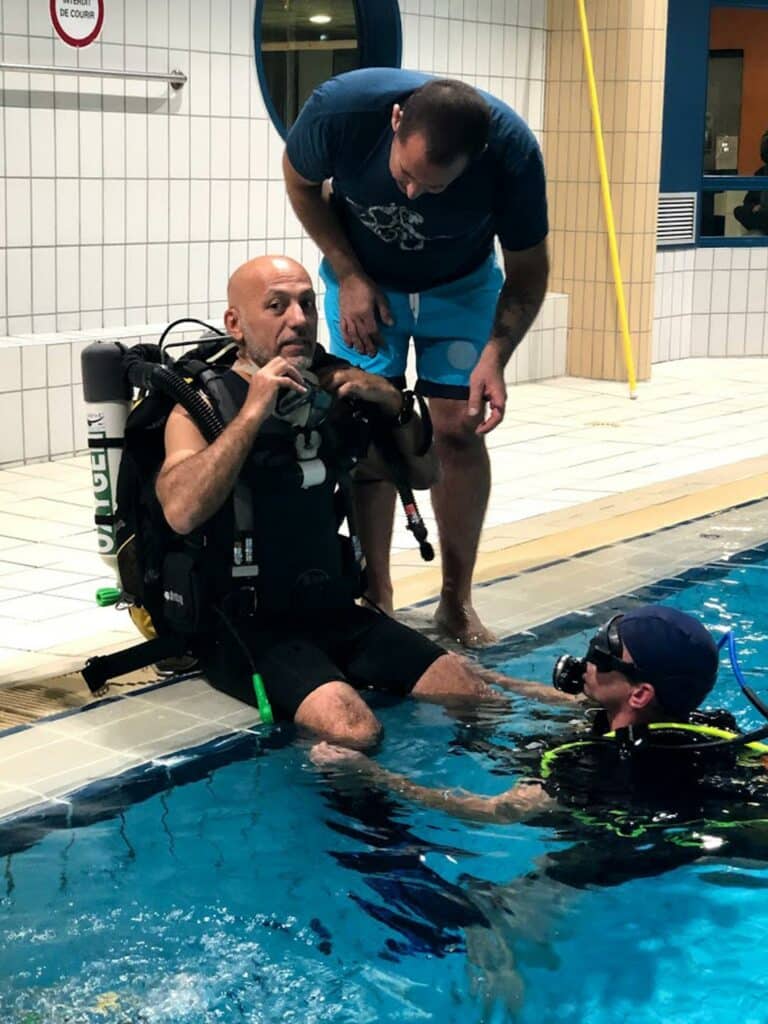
453 118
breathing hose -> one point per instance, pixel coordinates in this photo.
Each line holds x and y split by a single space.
729 640
382 436
146 375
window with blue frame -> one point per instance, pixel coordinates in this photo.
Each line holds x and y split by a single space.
301 43
715 135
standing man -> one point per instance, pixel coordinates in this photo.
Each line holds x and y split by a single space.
424 173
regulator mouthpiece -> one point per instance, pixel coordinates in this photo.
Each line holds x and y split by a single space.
568 674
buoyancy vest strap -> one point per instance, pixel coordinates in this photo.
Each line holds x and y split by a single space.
103 667
220 393
242 504
106 442
347 511
428 430
243 508
341 501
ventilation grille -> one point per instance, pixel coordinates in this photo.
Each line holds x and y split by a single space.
677 218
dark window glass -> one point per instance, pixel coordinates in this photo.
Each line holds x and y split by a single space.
734 213
737 92
303 43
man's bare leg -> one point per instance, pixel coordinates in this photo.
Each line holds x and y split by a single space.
337 712
459 499
375 514
453 679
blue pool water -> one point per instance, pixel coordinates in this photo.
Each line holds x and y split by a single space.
253 890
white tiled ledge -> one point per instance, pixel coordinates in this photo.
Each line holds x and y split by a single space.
543 353
41 402
710 302
108 739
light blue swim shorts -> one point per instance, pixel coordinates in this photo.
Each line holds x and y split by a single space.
450 325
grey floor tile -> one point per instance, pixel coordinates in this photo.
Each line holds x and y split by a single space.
130 732
182 739
60 758
69 780
15 799
210 705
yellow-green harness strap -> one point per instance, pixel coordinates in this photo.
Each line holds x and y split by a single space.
711 731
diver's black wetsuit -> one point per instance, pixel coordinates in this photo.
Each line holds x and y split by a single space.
636 810
299 619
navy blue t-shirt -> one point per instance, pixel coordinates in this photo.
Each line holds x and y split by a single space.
344 132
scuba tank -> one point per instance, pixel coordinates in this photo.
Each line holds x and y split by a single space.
108 395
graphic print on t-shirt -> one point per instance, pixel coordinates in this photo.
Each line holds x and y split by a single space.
392 223
344 134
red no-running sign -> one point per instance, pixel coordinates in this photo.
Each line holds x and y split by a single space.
78 22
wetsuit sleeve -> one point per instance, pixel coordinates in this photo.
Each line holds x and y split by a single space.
316 138
521 215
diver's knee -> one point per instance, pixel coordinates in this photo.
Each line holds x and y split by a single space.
335 710
362 735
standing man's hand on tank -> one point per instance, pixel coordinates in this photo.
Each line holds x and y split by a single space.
486 386
266 382
360 301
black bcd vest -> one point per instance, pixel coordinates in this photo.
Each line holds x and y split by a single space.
276 545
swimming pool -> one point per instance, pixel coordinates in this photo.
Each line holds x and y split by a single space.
258 891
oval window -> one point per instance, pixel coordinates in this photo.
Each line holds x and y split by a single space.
301 43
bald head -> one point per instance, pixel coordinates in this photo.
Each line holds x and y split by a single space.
271 310
258 274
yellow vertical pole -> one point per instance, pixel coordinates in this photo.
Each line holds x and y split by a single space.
605 188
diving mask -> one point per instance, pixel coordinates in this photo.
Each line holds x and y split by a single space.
305 409
604 651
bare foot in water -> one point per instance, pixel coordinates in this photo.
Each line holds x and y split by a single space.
462 624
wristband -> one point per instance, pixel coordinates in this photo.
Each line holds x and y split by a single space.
406 410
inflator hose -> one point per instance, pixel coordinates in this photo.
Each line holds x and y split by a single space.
382 437
185 320
147 375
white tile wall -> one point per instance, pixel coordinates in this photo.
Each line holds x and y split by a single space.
710 302
92 164
125 202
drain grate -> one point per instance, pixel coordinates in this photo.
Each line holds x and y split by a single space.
22 703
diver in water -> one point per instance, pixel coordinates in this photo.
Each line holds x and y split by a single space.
648 785
644 674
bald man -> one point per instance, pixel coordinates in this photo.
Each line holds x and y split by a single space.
296 623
